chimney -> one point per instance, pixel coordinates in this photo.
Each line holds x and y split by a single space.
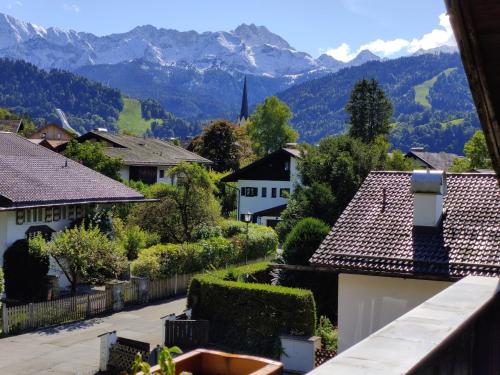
428 188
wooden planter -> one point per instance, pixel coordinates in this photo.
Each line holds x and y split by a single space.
211 362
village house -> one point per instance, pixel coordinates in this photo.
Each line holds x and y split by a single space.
405 237
51 136
42 191
145 159
265 186
432 160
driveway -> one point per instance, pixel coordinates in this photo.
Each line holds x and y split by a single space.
74 348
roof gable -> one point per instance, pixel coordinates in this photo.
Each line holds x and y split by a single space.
372 238
33 175
268 168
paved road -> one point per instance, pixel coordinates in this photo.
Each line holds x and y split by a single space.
74 348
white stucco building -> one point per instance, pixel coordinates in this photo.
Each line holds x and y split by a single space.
265 186
43 191
405 237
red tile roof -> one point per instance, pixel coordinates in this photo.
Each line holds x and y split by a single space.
368 238
32 175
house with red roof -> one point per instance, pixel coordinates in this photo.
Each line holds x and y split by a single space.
405 237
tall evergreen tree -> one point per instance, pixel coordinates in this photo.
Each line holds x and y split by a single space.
370 111
269 129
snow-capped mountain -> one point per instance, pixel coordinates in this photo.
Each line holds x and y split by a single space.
248 49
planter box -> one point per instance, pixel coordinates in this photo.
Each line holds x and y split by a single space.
210 362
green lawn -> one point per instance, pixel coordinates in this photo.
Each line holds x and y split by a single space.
130 120
422 90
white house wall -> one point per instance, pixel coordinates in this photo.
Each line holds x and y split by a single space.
10 232
258 203
367 303
125 173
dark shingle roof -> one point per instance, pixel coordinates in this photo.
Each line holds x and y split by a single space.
32 175
144 151
367 239
10 125
434 160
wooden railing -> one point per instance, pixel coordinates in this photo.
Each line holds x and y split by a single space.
186 333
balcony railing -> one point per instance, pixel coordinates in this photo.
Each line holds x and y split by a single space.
455 332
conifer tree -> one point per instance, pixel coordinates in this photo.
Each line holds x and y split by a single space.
369 110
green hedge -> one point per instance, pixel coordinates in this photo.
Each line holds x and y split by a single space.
1 280
212 252
250 317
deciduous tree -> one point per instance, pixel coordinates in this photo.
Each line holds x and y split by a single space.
269 129
91 154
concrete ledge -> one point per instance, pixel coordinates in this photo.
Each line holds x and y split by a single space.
402 345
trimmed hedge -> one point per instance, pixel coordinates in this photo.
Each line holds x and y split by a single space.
212 252
250 317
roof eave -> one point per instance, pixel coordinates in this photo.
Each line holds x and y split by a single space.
22 205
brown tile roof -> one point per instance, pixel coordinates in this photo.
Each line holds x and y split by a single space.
372 240
32 175
10 125
144 151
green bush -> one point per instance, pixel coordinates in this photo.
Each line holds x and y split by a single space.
25 273
303 240
163 261
213 252
328 334
231 228
206 231
250 317
133 239
261 241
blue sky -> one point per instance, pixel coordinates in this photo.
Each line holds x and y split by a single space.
341 27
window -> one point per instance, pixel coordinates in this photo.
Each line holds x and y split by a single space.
162 173
264 192
56 214
58 135
249 191
285 193
20 217
273 193
78 212
48 214
287 165
71 212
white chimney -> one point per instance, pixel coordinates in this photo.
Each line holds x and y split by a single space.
428 188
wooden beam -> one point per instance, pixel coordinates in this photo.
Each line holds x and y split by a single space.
464 26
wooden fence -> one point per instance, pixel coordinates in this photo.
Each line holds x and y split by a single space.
186 333
43 314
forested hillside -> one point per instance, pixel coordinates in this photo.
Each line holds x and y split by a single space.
25 89
433 106
28 90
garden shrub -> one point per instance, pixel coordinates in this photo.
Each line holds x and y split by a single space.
328 334
206 231
303 240
132 238
231 228
261 241
250 317
168 259
25 273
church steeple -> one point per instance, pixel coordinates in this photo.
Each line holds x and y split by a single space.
244 105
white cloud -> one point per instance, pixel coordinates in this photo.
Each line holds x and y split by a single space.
71 7
436 38
442 36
